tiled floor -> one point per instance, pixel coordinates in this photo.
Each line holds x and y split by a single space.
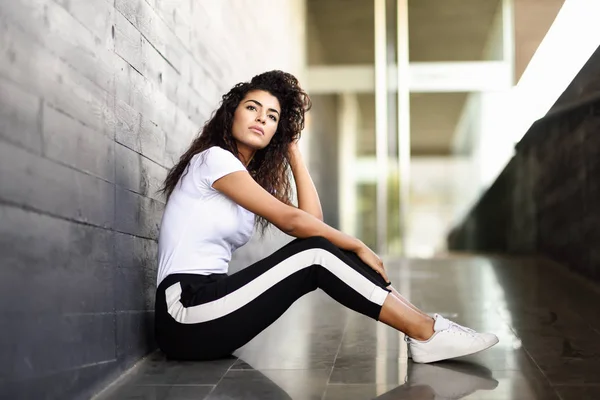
547 319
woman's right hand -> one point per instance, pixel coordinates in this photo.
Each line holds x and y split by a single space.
372 260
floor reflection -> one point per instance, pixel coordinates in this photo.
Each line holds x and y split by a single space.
450 380
546 319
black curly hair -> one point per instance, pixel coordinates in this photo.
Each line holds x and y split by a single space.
269 166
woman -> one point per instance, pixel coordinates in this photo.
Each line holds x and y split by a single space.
235 175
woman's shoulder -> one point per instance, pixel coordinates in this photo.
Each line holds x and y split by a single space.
217 154
216 161
218 151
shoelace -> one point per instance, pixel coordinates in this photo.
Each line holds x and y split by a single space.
461 328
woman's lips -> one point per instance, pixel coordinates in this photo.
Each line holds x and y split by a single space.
257 130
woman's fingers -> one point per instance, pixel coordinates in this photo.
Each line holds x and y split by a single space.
372 260
384 275
381 271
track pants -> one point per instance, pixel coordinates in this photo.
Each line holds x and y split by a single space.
204 317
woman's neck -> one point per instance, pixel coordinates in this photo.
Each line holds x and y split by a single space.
245 153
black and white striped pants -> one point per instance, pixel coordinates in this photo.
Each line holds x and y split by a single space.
203 317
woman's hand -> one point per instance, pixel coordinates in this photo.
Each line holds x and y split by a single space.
293 148
372 260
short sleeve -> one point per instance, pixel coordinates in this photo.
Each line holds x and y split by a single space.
215 163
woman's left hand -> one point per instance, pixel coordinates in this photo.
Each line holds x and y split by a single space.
293 146
294 150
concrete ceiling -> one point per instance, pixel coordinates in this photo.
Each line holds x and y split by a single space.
440 30
431 115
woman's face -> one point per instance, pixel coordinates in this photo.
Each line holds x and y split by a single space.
255 120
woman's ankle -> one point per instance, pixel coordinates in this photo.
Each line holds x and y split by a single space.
425 332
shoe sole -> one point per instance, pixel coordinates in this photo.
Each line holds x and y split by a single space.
430 359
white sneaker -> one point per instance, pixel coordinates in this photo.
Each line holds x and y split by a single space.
449 340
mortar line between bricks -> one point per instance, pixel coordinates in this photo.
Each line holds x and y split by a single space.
189 50
141 154
58 371
72 168
148 40
128 63
66 114
35 40
63 218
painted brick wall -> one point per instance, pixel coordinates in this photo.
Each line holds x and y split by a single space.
97 100
547 200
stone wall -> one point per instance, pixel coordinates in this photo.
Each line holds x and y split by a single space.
98 98
547 200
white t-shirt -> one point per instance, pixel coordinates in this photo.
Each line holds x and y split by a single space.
201 227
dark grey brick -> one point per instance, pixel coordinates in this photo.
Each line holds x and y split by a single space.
135 252
19 117
176 145
128 42
44 74
136 272
53 28
131 87
139 133
152 27
69 266
44 185
69 142
193 105
98 16
143 96
128 169
137 215
69 341
76 384
139 174
135 336
154 66
135 288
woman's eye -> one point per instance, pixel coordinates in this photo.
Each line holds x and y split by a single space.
251 108
274 118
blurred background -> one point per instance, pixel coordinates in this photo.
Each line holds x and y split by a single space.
418 107
411 117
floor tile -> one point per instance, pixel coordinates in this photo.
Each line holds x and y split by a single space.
164 372
271 385
356 392
164 392
570 371
368 370
578 392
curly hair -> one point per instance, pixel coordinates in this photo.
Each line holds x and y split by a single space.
269 166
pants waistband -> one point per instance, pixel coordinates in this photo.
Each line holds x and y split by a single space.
193 279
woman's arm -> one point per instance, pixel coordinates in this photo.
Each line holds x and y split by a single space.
308 198
241 188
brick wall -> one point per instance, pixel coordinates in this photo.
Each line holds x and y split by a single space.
547 200
97 100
